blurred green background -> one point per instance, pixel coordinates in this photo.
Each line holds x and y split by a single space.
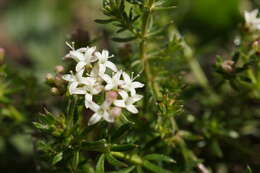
33 33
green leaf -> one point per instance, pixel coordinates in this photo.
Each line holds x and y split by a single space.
41 126
113 161
75 160
216 148
100 164
139 169
95 146
123 147
127 170
159 157
154 168
121 131
57 158
127 39
249 170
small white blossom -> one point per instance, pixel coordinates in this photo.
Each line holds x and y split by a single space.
101 112
75 81
83 57
112 82
252 21
104 62
130 85
128 102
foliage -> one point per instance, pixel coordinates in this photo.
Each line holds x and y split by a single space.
191 119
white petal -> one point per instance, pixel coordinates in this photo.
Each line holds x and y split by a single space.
90 50
132 109
105 54
88 97
132 91
120 103
110 65
107 78
117 76
123 94
92 105
254 13
94 119
108 118
68 77
77 55
102 68
79 91
126 77
80 65
79 73
109 87
137 85
136 98
98 55
72 87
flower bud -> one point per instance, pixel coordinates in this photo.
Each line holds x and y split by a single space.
256 46
228 66
54 91
111 96
116 111
58 81
49 78
59 69
2 55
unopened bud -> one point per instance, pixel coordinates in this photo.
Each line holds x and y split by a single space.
228 65
2 55
111 96
256 46
59 69
49 78
54 91
116 111
58 81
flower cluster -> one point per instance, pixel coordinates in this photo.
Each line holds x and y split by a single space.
252 21
107 90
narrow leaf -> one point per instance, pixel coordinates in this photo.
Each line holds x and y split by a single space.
159 157
123 147
154 168
249 170
121 131
127 170
139 169
113 161
57 158
100 164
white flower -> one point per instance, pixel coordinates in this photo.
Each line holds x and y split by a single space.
128 102
112 82
100 112
103 61
83 56
98 84
130 85
90 88
251 20
75 81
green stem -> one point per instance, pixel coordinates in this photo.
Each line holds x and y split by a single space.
72 105
143 47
